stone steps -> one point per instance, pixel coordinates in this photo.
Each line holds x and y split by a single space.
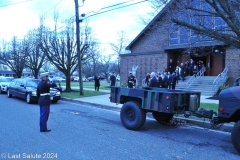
204 85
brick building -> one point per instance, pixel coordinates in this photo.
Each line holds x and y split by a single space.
162 45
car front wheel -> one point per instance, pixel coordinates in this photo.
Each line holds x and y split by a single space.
8 94
28 98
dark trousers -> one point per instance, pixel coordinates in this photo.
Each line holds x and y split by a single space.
173 86
96 88
44 114
169 86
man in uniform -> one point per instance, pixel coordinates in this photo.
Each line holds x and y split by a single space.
44 101
131 81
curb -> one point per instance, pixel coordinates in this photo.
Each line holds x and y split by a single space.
200 123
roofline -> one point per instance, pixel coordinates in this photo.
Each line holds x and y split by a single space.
149 24
142 53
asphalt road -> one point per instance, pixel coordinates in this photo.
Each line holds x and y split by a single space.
82 132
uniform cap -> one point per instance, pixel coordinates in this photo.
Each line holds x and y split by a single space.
43 74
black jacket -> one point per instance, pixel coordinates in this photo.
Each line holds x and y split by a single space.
97 81
43 88
153 82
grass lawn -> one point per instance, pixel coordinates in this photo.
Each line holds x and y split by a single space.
76 94
103 85
212 106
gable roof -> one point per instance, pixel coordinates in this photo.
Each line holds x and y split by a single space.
150 24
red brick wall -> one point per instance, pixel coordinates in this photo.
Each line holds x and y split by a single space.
146 63
232 61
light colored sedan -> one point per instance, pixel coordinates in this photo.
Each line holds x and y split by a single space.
58 79
4 83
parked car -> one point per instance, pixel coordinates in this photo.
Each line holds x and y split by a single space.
4 82
102 77
60 79
58 85
27 89
118 78
90 78
76 79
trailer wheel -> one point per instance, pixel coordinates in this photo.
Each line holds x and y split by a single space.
235 136
132 115
162 117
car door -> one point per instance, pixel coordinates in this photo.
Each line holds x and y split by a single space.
21 91
11 87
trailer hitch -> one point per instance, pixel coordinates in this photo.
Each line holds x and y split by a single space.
202 113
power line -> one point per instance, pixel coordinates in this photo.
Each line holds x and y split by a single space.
116 8
6 5
53 7
110 9
110 6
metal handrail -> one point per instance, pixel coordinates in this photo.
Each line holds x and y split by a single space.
222 76
198 75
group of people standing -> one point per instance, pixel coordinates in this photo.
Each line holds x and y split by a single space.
169 80
165 80
97 81
188 68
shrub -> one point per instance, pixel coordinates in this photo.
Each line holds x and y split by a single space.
223 87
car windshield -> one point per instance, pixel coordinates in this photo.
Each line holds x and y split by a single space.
32 84
5 79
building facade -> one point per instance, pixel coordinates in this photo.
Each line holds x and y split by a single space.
162 45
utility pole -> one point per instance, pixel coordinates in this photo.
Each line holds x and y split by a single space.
78 47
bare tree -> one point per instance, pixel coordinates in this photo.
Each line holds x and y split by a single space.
14 55
104 66
199 18
36 58
157 6
119 47
60 49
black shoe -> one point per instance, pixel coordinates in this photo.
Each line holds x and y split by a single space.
45 130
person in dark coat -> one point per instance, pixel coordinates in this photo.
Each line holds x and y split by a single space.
159 80
174 80
113 79
147 79
153 80
169 80
182 66
177 73
165 80
131 81
96 82
44 101
191 65
195 70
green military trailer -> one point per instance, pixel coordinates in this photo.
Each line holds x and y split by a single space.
165 103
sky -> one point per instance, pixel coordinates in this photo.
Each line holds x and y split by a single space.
19 16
